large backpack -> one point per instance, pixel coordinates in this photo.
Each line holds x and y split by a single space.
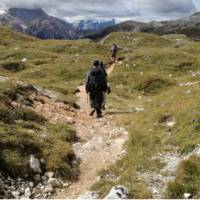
96 81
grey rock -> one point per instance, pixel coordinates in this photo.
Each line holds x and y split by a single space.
48 189
35 164
187 195
15 194
54 182
119 192
27 193
89 195
49 174
31 184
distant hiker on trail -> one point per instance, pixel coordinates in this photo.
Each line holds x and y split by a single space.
96 86
114 51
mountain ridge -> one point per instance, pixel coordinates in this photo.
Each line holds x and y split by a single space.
187 25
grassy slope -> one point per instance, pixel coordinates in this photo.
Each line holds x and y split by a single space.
55 65
150 77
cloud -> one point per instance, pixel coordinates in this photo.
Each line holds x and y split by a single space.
119 9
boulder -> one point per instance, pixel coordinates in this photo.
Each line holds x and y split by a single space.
35 164
119 192
54 182
48 188
187 195
89 195
27 192
49 174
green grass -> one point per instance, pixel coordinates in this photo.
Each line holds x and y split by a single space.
187 179
150 76
52 64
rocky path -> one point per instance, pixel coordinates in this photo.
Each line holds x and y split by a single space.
101 144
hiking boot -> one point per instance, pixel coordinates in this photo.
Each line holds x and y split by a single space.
92 113
99 114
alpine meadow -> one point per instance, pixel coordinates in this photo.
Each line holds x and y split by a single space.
145 143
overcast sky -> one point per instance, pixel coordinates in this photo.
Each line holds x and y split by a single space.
143 10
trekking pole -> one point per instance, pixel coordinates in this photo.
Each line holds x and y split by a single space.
87 99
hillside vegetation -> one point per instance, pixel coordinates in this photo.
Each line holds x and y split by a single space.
155 96
157 83
28 64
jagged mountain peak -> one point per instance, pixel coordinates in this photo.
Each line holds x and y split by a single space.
27 14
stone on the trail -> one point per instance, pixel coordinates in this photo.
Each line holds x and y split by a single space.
49 174
170 122
27 193
24 60
119 192
65 185
54 182
188 92
31 184
48 189
139 109
187 195
16 194
89 195
35 164
195 152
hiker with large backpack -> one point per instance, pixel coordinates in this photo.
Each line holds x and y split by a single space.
114 51
96 86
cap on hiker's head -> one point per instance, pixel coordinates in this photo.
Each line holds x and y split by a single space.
96 63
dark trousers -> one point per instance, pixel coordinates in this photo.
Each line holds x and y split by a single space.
96 101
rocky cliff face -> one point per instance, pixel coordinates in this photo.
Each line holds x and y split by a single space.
37 23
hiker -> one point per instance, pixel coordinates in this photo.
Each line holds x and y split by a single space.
114 50
96 86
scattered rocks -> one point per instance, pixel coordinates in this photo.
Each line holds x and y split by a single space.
119 192
194 74
189 84
111 178
157 181
89 195
23 188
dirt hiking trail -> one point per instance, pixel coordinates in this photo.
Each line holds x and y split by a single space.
101 144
